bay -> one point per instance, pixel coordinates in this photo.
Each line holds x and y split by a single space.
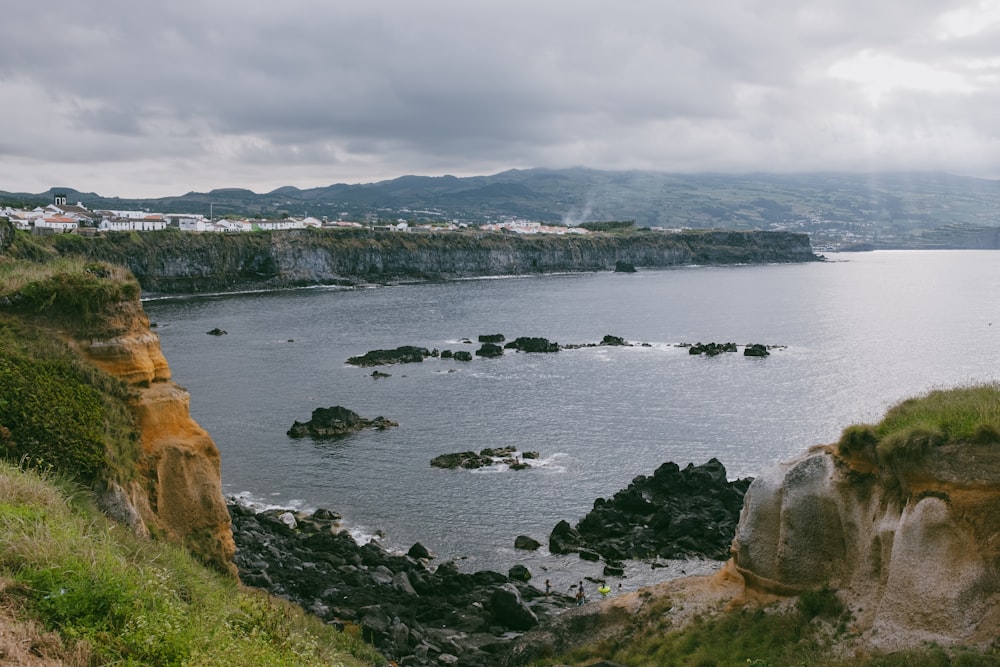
856 334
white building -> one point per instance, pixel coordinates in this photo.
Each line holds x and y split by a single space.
149 223
57 224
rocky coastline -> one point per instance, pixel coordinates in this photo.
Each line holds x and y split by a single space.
419 611
166 262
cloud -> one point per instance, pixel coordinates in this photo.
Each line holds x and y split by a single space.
134 99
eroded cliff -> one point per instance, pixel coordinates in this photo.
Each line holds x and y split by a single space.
909 536
86 391
178 491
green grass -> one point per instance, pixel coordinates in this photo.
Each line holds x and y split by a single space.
59 412
114 598
64 289
914 428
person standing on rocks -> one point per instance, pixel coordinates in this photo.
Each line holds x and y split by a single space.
581 596
548 588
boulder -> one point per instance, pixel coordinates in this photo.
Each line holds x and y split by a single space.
419 551
490 351
526 543
519 573
492 338
756 350
564 538
463 355
624 267
509 609
217 332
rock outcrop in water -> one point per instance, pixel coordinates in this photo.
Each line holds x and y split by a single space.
335 422
190 263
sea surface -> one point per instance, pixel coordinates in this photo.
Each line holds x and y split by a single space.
853 335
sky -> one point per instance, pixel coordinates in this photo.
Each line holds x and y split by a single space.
137 99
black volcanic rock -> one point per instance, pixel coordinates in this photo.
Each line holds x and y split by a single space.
526 543
614 341
711 349
405 354
334 422
490 351
675 513
530 344
411 612
624 267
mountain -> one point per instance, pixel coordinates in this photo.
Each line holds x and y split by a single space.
882 207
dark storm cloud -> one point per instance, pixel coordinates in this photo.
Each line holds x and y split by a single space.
163 98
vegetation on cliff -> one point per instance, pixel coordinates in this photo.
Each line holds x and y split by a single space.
105 596
57 411
912 429
76 587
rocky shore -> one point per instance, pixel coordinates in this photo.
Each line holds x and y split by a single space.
414 612
419 611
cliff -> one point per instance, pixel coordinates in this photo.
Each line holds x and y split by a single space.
172 261
178 491
901 519
94 399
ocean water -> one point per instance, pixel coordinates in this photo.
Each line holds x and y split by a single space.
854 335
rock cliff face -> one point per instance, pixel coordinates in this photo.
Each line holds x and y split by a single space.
181 262
178 490
915 554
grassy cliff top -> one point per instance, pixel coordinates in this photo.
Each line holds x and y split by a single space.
67 291
86 591
57 411
914 428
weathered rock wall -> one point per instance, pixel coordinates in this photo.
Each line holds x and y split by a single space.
182 262
917 558
177 492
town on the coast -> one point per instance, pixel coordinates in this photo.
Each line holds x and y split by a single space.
59 217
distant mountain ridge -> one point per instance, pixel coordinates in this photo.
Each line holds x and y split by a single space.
882 205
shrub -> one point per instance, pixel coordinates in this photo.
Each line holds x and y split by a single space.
858 441
821 603
58 412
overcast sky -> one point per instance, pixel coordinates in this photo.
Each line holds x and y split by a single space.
139 99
